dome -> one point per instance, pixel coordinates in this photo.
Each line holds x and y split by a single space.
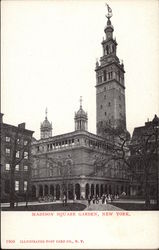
81 113
46 124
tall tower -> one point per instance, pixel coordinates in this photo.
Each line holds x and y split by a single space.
81 118
46 128
110 87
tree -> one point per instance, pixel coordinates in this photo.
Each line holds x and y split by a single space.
139 152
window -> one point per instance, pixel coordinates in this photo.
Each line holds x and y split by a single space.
25 142
16 185
7 166
25 185
38 149
101 106
99 79
17 168
105 75
17 154
7 139
25 168
18 140
25 155
104 96
109 104
105 113
8 151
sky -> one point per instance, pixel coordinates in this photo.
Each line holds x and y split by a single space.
48 54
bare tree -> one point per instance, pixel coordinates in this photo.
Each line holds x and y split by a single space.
139 152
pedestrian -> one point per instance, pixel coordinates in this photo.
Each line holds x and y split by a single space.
97 199
64 198
89 200
106 199
103 199
93 199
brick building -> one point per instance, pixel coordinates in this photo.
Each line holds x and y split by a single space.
77 163
15 159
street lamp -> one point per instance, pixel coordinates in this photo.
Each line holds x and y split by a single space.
155 124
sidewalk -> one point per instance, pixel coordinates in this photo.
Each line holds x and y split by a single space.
102 207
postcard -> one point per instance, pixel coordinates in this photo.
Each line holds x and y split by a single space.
79 124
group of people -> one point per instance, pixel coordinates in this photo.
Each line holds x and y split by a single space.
105 198
46 198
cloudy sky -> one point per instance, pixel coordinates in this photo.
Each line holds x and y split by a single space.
49 50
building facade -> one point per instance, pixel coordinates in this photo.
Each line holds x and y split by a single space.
15 160
78 164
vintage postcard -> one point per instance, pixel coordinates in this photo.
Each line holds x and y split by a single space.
79 124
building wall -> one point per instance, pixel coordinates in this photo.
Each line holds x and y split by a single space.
15 139
75 165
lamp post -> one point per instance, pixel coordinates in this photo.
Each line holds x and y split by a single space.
155 124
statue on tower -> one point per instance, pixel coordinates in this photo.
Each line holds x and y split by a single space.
110 13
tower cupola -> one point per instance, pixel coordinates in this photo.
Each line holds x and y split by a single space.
46 128
81 118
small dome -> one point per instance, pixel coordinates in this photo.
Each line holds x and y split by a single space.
81 112
46 124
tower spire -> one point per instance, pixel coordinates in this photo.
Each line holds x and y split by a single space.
80 102
46 111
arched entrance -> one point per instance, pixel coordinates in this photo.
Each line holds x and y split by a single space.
57 192
92 190
105 189
87 190
101 190
40 190
46 190
110 190
33 191
52 190
97 189
77 191
70 192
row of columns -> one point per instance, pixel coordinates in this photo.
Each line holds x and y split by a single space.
77 191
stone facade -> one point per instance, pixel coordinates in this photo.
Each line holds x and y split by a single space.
110 86
77 163
72 161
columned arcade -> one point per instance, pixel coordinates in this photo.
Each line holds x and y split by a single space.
77 190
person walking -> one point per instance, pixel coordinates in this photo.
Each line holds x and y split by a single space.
97 199
89 200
